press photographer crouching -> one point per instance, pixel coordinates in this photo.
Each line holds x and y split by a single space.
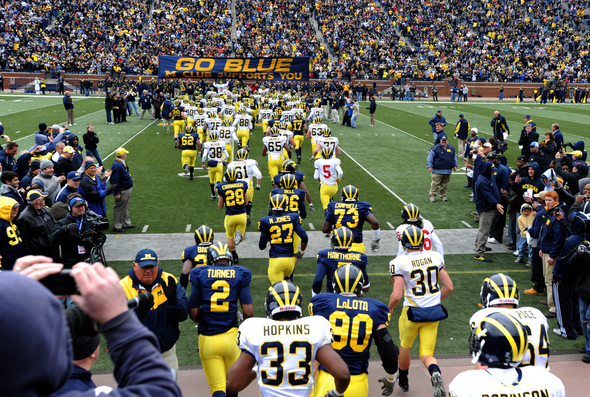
75 233
37 357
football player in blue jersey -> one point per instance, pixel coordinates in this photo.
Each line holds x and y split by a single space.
356 322
189 144
216 289
233 194
299 131
196 255
278 229
178 117
330 259
352 213
290 167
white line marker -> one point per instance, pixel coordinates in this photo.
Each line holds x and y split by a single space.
395 128
311 226
188 228
466 224
145 228
390 225
128 140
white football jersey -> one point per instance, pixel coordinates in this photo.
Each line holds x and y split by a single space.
219 102
286 133
315 112
214 151
220 87
208 111
247 170
327 170
420 273
199 121
213 124
274 146
190 111
265 114
327 142
430 238
288 116
228 111
227 134
506 382
289 345
536 326
243 122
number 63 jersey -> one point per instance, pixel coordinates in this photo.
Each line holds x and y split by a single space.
284 351
420 273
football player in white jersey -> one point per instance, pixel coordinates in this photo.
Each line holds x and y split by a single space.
329 173
227 135
498 344
273 147
243 123
199 123
228 110
416 275
215 153
190 111
284 346
316 111
221 87
411 217
314 131
213 122
499 292
247 169
288 116
326 140
265 116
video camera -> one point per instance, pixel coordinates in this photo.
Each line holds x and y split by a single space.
97 222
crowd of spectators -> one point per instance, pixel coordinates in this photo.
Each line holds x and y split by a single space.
483 40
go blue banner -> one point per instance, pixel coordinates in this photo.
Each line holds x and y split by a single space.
271 69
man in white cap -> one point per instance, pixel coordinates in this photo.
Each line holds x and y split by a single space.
120 177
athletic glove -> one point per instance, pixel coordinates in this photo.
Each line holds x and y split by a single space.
311 209
111 188
375 245
387 387
72 228
333 393
300 254
170 291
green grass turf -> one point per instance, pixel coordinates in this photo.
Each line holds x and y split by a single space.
453 334
394 152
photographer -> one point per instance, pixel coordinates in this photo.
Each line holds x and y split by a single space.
35 314
74 234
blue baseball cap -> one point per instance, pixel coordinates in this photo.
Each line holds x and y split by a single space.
74 175
146 257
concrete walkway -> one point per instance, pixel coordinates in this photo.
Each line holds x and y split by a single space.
572 372
123 247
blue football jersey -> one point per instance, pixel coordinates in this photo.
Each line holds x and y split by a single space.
299 177
215 292
296 200
354 320
234 194
188 141
197 254
279 229
351 215
329 260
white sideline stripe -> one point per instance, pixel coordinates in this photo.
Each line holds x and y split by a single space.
311 226
390 225
466 224
129 140
395 128
145 228
373 176
65 122
188 228
32 96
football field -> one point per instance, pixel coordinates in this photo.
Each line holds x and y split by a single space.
387 163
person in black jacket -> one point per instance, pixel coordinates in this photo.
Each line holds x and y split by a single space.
109 102
146 104
487 202
372 107
73 233
35 223
91 141
527 137
65 163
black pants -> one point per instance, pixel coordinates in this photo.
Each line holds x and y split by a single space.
497 228
117 115
537 277
567 307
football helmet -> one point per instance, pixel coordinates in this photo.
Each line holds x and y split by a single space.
242 110
227 122
288 181
413 238
342 238
289 166
200 111
326 131
217 252
350 194
204 235
348 280
274 131
410 212
299 115
498 289
214 135
190 129
327 152
284 125
283 296
210 103
177 102
317 120
278 202
231 174
499 341
276 115
212 114
242 154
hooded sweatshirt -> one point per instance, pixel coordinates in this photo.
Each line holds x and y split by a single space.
535 184
11 244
